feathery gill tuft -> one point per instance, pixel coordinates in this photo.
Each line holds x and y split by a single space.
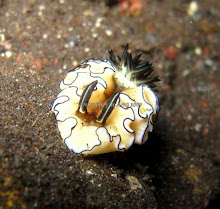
133 69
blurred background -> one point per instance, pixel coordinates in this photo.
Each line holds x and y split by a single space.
178 167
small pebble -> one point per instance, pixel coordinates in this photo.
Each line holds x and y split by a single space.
40 13
74 63
89 172
95 35
87 13
198 51
209 62
185 73
70 29
192 8
189 117
98 22
28 27
114 175
45 36
59 36
71 44
8 54
171 53
41 7
198 127
87 49
108 32
2 37
64 67
178 45
134 183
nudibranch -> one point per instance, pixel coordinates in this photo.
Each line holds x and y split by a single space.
107 105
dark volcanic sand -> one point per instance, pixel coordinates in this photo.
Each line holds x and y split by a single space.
178 167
